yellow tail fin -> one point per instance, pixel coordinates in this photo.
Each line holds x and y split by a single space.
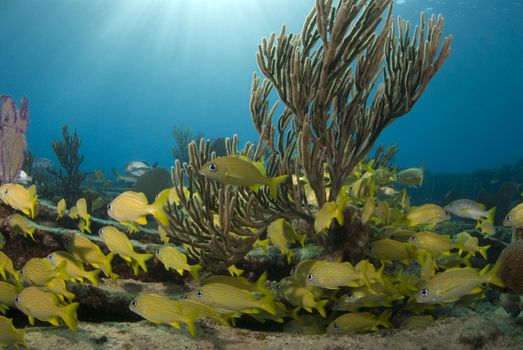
157 208
69 316
141 259
275 183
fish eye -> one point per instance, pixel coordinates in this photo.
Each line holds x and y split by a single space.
349 295
371 248
424 292
509 218
293 270
310 277
101 231
17 300
185 297
157 251
335 327
133 303
278 285
413 238
199 293
50 257
212 167
109 207
5 191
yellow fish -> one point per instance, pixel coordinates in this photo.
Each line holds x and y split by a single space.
279 232
73 213
225 296
118 243
486 227
390 250
6 267
333 275
432 242
39 271
10 336
368 210
359 322
430 214
241 283
452 284
301 297
514 217
8 293
466 242
98 203
412 177
82 249
19 198
20 224
73 269
81 206
36 303
57 286
330 211
241 171
162 310
306 324
234 270
172 258
131 208
60 209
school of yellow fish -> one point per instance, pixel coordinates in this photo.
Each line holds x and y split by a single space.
410 266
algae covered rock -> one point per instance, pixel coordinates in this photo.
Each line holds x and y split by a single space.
512 267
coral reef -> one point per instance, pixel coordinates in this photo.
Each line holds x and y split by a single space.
13 126
347 76
182 137
71 178
511 267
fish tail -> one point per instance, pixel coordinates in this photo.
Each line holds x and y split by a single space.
275 183
195 271
141 259
301 239
189 322
107 267
69 316
267 304
492 275
289 254
92 276
16 275
483 251
320 306
384 318
490 215
23 340
157 208
260 284
31 232
2 270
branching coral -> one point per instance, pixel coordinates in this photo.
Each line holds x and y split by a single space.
66 151
13 126
182 137
349 75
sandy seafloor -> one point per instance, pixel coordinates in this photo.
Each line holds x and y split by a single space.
490 329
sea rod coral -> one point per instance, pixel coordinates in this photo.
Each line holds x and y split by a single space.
347 76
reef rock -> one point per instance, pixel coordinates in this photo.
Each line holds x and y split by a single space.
512 267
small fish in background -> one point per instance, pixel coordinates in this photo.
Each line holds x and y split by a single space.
137 168
280 232
73 213
162 310
131 208
300 297
43 164
81 206
359 322
6 267
60 209
306 324
486 227
39 271
8 293
98 203
82 249
241 283
73 269
20 198
470 244
426 214
172 258
57 286
10 336
412 177
2 241
44 306
241 171
24 178
450 285
389 250
514 217
333 275
120 244
21 225
226 296
469 209
432 242
234 270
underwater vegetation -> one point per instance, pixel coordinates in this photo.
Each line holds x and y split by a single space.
303 227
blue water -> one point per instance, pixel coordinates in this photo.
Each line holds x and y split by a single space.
124 72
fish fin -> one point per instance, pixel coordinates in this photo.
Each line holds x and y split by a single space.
263 244
290 254
320 306
23 339
141 221
189 323
483 251
180 271
54 321
31 232
2 269
3 309
157 210
195 271
490 215
275 182
260 284
141 259
175 324
301 239
254 188
108 268
92 276
31 320
69 316
267 304
492 275
384 318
